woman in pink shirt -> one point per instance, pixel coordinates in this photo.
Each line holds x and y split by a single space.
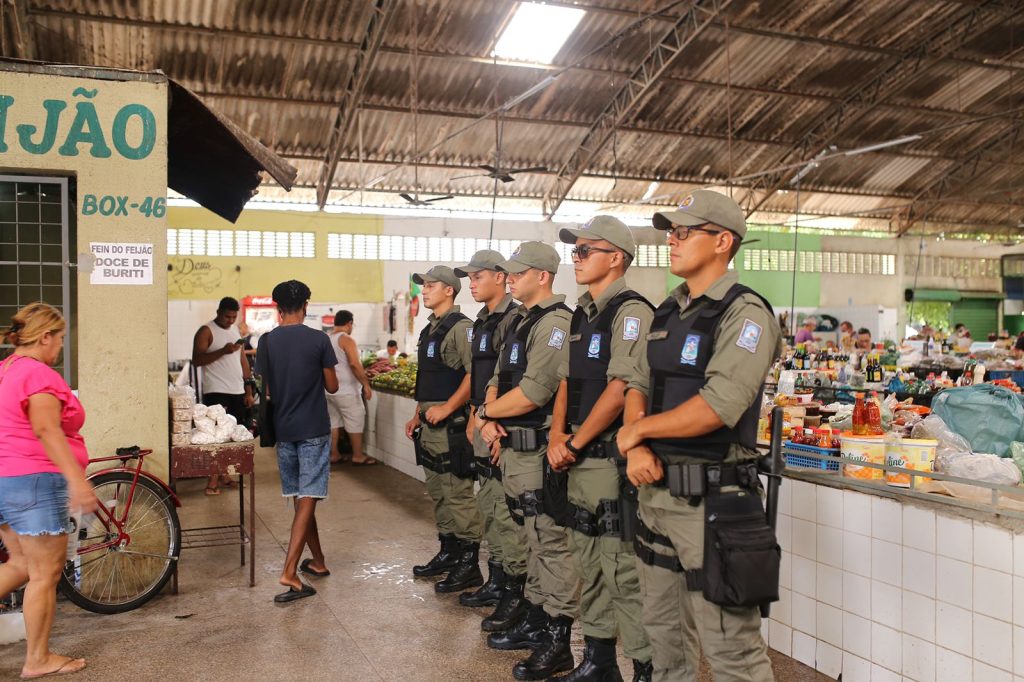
42 477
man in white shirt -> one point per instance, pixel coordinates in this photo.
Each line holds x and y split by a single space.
346 406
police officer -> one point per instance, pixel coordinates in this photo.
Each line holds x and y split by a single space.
438 429
518 415
507 560
608 334
708 556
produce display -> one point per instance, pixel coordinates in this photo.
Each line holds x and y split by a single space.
400 379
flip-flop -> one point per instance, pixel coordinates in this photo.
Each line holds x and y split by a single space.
292 594
304 567
212 491
368 462
59 671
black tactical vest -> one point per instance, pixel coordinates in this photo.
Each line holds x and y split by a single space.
678 352
590 351
436 381
512 367
485 354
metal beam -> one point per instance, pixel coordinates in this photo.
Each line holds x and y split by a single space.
897 73
623 106
219 34
373 36
957 181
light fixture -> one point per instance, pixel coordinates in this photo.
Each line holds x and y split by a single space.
536 32
882 145
651 189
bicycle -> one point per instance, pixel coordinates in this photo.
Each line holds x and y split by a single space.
129 547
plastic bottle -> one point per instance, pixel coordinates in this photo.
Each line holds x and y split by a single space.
860 422
873 412
979 373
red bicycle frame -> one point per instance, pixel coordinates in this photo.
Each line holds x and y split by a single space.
104 515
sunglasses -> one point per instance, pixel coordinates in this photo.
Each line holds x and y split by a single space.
584 251
681 232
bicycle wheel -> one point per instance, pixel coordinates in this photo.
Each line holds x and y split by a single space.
121 578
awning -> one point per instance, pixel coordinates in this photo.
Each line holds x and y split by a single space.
214 162
953 295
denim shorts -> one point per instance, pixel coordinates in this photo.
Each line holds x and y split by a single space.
35 504
305 467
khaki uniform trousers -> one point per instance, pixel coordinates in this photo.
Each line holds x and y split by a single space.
551 577
610 600
455 509
502 534
681 623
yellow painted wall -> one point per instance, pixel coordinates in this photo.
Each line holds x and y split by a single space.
121 329
334 281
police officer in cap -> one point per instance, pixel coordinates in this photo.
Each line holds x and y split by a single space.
709 558
517 413
507 561
438 430
607 336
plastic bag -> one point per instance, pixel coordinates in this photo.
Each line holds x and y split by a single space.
240 433
989 417
206 425
1017 454
203 438
215 412
223 432
227 419
953 456
951 445
199 411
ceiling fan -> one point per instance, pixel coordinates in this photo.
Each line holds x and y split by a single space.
505 175
416 201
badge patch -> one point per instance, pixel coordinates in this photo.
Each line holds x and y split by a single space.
575 337
431 347
631 329
513 355
690 350
557 338
483 342
594 349
750 336
658 335
469 334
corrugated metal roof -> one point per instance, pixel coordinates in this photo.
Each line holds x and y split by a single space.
742 97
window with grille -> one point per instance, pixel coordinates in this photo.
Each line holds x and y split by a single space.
259 243
36 239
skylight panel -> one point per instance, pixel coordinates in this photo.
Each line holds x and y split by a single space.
536 32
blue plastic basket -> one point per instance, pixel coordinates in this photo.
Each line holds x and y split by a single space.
1018 377
795 459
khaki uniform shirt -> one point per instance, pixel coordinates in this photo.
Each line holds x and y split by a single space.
456 351
627 345
547 347
734 373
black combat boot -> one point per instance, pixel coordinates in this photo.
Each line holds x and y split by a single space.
598 665
467 573
643 671
552 656
445 559
490 592
511 606
527 633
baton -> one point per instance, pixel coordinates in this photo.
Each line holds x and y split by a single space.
772 465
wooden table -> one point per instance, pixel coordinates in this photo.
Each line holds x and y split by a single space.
227 459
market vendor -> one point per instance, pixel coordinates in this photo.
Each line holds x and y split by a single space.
690 442
864 342
806 333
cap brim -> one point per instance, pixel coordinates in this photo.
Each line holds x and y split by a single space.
665 221
466 269
570 235
513 266
420 278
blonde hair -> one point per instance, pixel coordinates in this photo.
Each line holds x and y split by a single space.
33 321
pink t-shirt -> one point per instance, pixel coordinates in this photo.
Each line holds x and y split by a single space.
21 453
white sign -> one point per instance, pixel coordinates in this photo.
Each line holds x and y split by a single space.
121 263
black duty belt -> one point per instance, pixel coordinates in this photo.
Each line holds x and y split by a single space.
454 415
645 537
695 480
525 440
604 449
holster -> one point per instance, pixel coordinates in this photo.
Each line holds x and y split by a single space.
460 450
556 496
486 469
741 553
629 505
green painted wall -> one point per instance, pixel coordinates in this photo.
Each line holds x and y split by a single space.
777 287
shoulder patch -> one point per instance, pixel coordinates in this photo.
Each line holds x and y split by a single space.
557 338
750 336
469 334
631 329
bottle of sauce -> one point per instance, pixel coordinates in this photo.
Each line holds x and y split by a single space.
860 417
873 412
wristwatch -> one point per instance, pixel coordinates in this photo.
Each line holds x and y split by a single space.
572 448
481 412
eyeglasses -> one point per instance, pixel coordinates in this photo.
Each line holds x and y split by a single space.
682 232
582 252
